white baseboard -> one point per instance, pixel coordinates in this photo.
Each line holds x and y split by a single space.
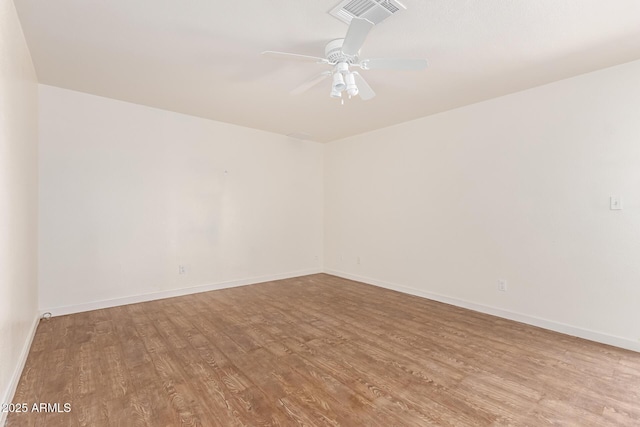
15 378
96 305
506 314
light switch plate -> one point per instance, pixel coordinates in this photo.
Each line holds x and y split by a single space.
615 203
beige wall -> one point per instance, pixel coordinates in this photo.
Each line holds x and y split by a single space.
514 188
128 193
18 199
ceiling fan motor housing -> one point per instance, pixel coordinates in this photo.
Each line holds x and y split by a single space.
333 53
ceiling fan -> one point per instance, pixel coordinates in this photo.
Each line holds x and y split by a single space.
342 54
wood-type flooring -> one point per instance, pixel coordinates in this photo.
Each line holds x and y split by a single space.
318 351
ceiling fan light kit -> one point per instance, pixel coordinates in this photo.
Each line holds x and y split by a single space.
338 82
350 81
344 53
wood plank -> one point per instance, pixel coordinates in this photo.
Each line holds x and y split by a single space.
320 351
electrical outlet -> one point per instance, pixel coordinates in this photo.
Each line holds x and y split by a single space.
502 285
182 269
358 260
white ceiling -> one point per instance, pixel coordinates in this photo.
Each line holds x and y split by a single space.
203 57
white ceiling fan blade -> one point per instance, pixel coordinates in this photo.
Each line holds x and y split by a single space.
294 56
393 64
310 83
364 90
356 34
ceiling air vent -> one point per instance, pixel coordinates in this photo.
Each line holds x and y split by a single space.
374 11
